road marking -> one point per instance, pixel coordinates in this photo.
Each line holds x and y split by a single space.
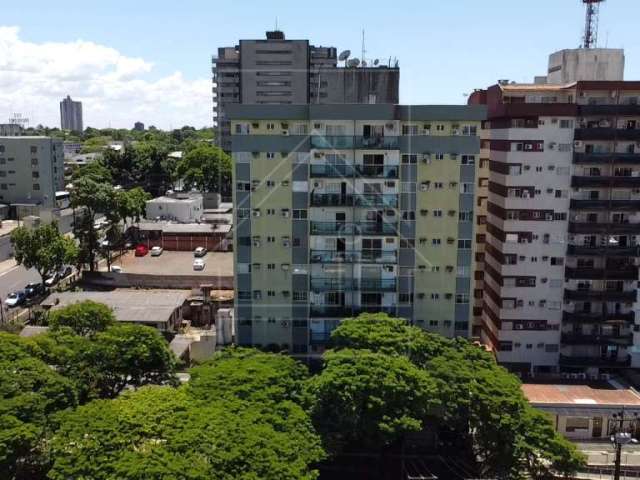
9 271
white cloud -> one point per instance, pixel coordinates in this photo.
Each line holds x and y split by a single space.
113 88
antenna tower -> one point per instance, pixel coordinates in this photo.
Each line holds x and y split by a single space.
590 39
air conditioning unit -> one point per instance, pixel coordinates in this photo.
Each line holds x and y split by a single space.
318 155
389 126
455 131
285 267
577 144
285 133
552 145
426 131
284 324
317 184
256 213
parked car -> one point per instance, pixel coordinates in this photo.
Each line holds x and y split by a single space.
116 269
200 252
141 250
65 271
156 251
52 279
15 299
33 289
198 264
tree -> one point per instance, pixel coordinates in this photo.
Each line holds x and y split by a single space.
94 171
157 433
369 400
205 167
30 392
129 356
483 413
43 248
247 374
84 318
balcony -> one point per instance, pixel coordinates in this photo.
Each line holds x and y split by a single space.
601 295
605 204
607 134
319 338
347 311
571 338
605 182
351 171
586 110
606 228
608 362
608 250
349 142
599 158
609 273
354 256
361 228
598 317
345 284
365 200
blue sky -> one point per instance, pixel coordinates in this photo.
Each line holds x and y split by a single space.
445 48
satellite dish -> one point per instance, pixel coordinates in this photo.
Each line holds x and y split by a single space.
344 55
354 62
364 63
376 62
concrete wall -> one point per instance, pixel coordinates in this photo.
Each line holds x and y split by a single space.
581 64
361 85
6 249
126 280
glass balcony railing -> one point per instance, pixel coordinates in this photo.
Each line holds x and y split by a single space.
349 171
354 256
347 228
349 283
345 311
348 142
354 200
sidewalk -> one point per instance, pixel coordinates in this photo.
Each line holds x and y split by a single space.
7 265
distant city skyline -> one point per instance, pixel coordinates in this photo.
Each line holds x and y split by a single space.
112 58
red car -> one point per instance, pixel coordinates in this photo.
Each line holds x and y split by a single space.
141 250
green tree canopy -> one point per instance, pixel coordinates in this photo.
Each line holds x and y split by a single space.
206 167
248 374
369 399
84 318
43 248
160 433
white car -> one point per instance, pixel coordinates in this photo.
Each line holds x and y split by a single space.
198 264
200 252
52 280
156 251
14 299
116 269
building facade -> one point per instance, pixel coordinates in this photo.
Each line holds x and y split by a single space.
343 209
31 170
71 115
279 71
561 253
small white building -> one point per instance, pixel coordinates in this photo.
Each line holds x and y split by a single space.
583 412
184 208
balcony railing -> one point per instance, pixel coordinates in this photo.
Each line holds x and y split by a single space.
325 284
364 200
598 133
599 317
571 338
601 295
605 181
354 256
606 228
605 204
347 228
609 273
348 142
585 110
608 250
350 171
609 157
346 311
571 361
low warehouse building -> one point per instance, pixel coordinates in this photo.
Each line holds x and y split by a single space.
182 236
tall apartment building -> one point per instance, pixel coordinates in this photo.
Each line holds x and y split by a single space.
31 170
71 115
343 209
563 224
279 71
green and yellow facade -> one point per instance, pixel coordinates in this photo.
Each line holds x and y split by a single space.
342 209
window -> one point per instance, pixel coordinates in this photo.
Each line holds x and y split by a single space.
36 186
34 162
440 127
271 266
465 216
439 156
299 214
299 296
576 423
468 160
462 298
437 213
34 149
464 244
436 241
466 187
408 215
271 155
409 158
35 174
566 123
409 130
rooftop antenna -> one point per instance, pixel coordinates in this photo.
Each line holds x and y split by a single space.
276 24
363 49
590 39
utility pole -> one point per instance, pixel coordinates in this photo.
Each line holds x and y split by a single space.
620 437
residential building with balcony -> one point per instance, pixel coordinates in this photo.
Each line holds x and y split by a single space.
563 224
277 71
343 209
71 115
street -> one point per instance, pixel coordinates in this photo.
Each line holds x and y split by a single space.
14 279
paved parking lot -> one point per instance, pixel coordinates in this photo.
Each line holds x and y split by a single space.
177 263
